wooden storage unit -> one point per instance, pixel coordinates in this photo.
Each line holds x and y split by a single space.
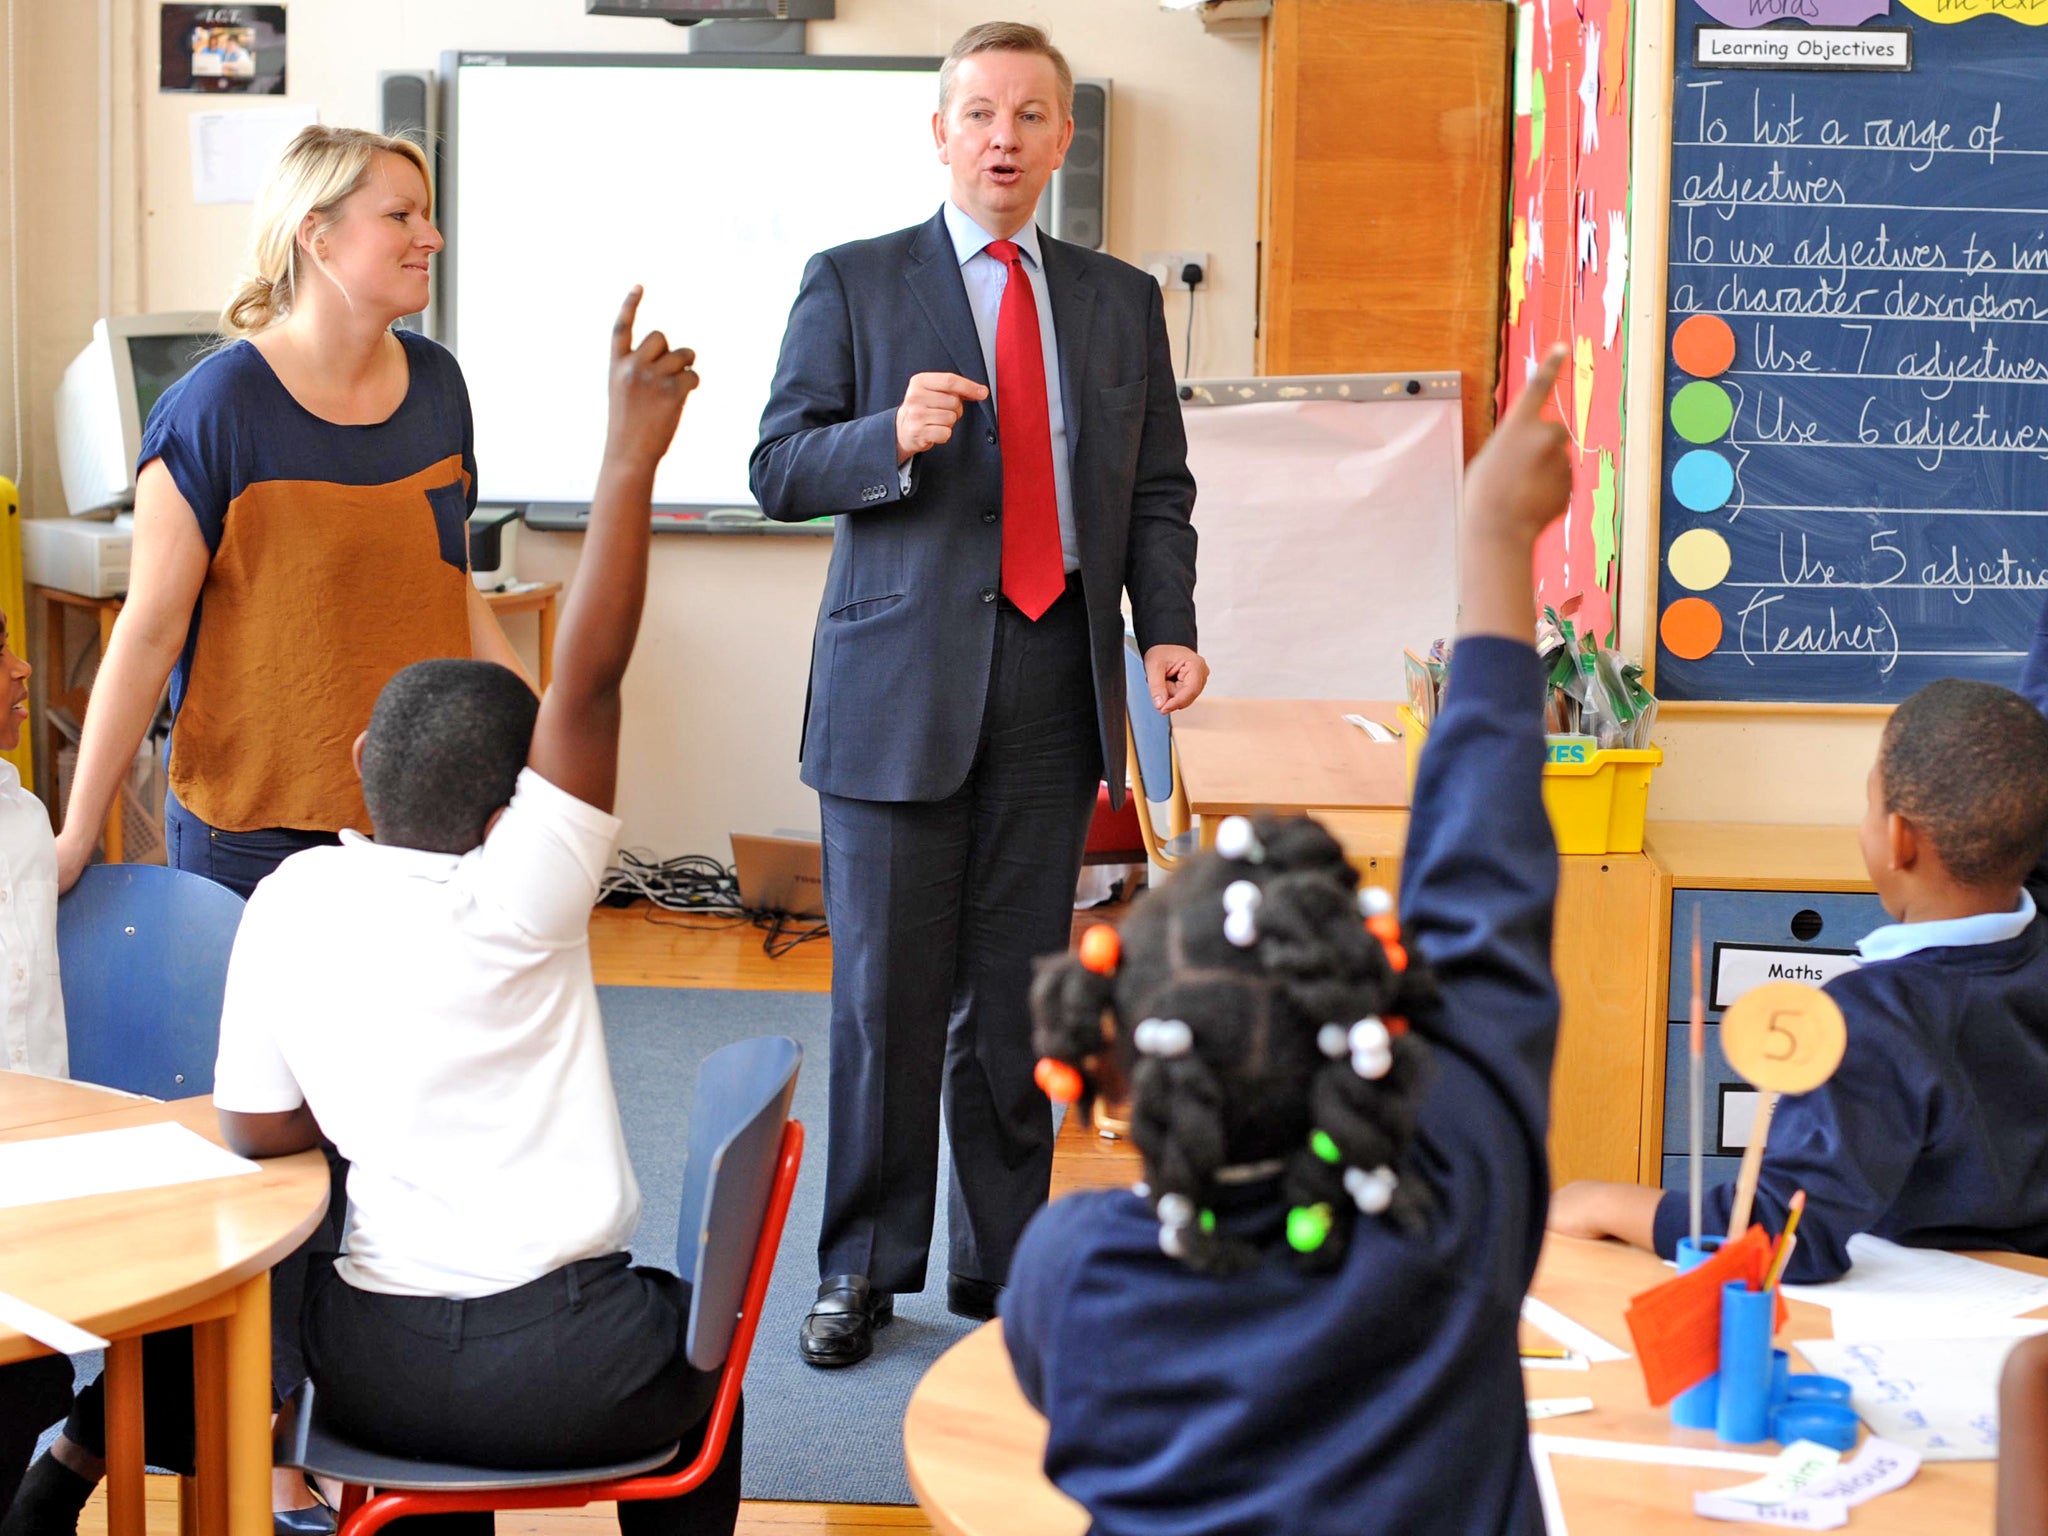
1383 190
1604 943
1780 891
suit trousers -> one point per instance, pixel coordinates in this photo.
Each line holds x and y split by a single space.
581 1367
938 910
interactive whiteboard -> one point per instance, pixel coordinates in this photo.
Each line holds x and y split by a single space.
570 177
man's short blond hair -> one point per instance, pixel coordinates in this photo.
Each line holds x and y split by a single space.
1006 37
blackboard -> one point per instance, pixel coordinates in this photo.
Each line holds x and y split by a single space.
1876 241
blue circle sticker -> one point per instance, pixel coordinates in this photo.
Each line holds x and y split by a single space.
1703 480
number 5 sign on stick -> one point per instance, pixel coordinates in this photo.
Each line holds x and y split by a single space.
1783 1037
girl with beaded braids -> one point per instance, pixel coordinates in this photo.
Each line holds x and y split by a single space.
1304 1320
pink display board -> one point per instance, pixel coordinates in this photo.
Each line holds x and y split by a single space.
1568 269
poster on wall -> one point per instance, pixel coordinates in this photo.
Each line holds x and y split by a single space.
1567 280
222 48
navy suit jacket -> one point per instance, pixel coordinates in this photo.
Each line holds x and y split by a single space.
900 661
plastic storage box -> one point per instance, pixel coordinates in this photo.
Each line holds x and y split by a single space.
1597 799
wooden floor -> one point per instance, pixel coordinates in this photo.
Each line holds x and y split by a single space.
638 946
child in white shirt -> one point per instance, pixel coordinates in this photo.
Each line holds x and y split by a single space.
31 1002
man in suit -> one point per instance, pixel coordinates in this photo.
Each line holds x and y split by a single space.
967 678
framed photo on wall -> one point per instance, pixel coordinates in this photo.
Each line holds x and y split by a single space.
222 48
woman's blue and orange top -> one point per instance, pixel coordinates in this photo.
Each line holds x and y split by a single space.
340 555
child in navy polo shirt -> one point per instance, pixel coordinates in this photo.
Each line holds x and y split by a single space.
1305 1320
1931 1132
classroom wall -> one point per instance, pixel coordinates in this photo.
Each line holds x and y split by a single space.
715 696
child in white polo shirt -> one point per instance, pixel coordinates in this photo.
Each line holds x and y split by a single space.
425 1000
31 1003
35 1393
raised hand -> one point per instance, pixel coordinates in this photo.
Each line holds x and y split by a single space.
1521 481
932 403
648 386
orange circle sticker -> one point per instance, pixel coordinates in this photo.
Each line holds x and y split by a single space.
1690 628
1703 346
1785 1036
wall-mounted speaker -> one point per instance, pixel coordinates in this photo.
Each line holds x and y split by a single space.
1076 206
408 107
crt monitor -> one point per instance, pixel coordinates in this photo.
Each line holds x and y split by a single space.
107 394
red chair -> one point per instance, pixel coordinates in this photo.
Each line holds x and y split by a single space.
733 1184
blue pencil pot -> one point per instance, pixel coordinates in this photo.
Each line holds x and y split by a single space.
1824 1423
1781 1376
1742 1408
1808 1388
1694 1407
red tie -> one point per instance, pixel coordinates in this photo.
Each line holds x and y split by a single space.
1034 570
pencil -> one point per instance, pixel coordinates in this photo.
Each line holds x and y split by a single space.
1782 1254
1698 1052
1545 1352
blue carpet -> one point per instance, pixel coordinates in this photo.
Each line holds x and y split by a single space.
815 1436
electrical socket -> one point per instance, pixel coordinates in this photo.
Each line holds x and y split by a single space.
1165 268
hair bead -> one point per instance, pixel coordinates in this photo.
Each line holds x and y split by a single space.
1308 1227
1384 927
1325 1147
1236 839
1397 957
1374 901
1163 1037
1057 1081
1101 948
1334 1041
1371 1189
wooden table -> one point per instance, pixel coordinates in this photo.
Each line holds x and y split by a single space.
124 1265
537 599
975 1449
1244 755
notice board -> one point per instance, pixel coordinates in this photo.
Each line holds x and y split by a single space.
1854 495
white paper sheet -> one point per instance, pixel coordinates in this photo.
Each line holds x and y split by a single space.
1329 541
1572 1335
1935 1396
232 152
1801 1468
106 1162
46 1327
1964 1290
1856 1321
1557 1407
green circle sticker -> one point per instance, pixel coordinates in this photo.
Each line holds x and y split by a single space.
1702 411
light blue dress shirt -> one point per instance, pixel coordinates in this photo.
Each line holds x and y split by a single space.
1896 939
985 279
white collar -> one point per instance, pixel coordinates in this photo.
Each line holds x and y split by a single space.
1896 939
970 239
414 861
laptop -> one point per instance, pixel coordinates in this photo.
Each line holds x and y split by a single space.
782 873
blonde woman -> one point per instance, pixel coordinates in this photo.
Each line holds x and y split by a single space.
301 518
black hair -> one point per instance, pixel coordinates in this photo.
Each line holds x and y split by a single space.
446 743
1967 764
1256 1020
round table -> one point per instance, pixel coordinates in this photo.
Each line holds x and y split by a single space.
127 1264
975 1449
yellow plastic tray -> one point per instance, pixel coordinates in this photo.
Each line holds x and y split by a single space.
1597 804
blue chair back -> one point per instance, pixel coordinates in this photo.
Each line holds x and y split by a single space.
1151 732
736 1120
143 952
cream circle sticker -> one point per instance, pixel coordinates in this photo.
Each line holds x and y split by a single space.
1702 411
1785 1036
1699 559
1703 481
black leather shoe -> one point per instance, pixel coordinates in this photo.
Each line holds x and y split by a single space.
840 1329
970 1298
